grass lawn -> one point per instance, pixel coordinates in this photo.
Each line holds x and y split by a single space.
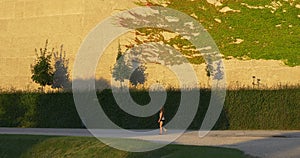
48 146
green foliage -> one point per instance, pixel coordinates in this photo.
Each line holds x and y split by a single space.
146 35
29 109
57 110
243 109
28 146
42 71
263 109
268 33
11 111
29 101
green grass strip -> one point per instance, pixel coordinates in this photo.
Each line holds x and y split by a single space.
31 146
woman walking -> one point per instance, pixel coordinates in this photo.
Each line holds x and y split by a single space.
161 120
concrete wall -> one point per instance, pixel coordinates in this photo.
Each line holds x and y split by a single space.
26 24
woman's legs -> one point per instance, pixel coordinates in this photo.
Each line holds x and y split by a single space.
160 127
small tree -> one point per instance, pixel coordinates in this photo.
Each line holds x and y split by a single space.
120 71
61 75
42 71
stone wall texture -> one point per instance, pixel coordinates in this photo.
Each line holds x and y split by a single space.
26 24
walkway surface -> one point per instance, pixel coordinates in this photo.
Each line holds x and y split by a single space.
264 144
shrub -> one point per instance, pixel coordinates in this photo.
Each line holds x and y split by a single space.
11 111
244 109
29 101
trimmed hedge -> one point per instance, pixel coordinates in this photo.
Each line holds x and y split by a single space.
125 120
243 109
22 109
264 109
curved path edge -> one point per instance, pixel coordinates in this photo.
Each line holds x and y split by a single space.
260 143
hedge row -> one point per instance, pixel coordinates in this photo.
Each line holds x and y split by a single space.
38 110
264 109
243 109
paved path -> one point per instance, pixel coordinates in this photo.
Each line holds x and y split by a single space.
264 144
